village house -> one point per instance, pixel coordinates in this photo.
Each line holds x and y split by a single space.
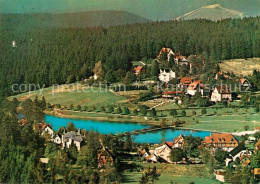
164 150
70 138
240 152
178 142
223 141
171 94
221 93
104 156
57 139
220 174
138 70
167 51
244 82
195 87
46 128
148 155
185 81
151 158
222 75
166 75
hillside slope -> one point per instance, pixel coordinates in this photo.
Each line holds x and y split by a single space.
64 20
211 12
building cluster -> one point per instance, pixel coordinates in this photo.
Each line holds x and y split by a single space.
237 152
67 139
191 86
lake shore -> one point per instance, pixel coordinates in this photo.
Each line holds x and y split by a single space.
122 119
106 117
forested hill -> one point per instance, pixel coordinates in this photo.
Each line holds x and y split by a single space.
56 55
65 20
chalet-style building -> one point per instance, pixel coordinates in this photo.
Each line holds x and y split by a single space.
223 141
104 157
138 70
185 81
70 138
240 152
221 93
178 142
166 75
167 51
195 87
244 82
163 151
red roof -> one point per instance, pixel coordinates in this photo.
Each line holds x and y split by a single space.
220 138
170 144
243 80
41 126
195 84
138 68
186 80
172 92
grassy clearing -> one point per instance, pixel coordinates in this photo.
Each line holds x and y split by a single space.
216 119
67 95
181 174
241 66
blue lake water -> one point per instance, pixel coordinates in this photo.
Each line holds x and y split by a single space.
101 127
167 135
118 127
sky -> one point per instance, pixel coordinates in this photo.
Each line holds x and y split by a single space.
151 9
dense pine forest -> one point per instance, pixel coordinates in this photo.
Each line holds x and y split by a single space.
54 55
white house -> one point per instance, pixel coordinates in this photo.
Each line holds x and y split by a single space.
195 87
47 129
166 75
70 138
220 175
221 93
164 151
238 152
57 139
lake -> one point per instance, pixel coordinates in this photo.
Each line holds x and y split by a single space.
118 127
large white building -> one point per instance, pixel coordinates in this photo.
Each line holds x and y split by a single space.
221 93
166 75
70 138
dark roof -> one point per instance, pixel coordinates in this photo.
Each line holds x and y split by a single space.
223 89
74 136
237 149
